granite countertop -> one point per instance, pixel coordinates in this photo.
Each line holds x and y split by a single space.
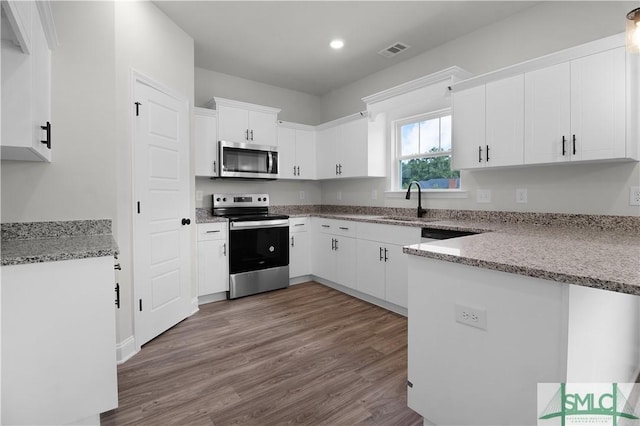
38 242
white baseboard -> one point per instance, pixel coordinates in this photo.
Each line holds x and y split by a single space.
300 280
367 298
215 297
194 306
125 349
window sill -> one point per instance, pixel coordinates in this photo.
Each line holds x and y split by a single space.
430 193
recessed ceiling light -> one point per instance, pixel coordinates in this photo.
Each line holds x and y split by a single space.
336 44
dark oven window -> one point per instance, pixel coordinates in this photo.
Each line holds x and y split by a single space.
254 249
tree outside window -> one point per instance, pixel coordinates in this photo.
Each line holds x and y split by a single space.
424 152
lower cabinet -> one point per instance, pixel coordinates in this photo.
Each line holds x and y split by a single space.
213 265
334 251
299 256
59 365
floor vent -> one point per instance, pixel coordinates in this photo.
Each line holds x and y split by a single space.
393 50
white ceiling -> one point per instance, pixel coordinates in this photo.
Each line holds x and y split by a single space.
286 43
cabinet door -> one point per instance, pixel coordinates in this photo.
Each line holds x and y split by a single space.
324 260
263 128
205 132
396 276
468 129
287 152
326 153
505 122
352 149
547 106
306 154
371 268
598 106
299 254
213 269
346 262
233 124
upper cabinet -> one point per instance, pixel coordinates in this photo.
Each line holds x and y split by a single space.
345 150
246 123
26 80
296 151
575 105
205 138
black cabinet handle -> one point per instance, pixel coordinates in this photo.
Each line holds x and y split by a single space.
48 129
117 266
224 249
292 242
333 244
186 221
340 169
487 153
117 295
479 154
564 150
336 169
380 254
574 144
252 135
385 254
298 170
336 244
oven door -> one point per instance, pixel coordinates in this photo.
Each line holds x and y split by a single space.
258 244
241 160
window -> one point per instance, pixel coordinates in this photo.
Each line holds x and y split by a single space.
424 151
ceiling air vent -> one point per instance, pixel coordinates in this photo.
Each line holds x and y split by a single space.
393 50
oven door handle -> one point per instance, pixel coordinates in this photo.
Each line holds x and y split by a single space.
256 224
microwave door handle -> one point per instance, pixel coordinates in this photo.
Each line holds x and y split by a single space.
270 162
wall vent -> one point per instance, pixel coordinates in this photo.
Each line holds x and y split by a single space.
394 49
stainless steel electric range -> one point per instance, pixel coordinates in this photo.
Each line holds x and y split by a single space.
258 244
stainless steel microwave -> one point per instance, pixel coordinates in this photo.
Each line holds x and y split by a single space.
243 160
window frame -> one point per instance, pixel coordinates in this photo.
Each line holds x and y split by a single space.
398 157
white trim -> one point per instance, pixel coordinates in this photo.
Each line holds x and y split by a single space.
296 126
342 120
194 306
205 111
561 56
362 296
125 350
301 279
48 25
214 297
215 102
454 73
431 193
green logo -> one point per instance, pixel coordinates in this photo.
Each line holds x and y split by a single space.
589 404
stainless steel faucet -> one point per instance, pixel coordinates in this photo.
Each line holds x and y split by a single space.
421 211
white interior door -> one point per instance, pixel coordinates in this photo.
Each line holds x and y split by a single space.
161 191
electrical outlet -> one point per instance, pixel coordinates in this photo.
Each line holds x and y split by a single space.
198 195
374 194
302 195
521 196
483 195
634 196
339 196
475 317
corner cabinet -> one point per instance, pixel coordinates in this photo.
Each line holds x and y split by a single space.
246 123
344 149
26 80
297 151
576 105
205 138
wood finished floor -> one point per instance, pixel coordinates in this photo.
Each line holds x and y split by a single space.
305 355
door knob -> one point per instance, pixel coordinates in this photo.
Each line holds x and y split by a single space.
186 221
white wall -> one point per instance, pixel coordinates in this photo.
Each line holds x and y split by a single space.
297 107
80 181
148 42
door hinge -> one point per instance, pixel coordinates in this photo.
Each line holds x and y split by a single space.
140 305
137 108
138 207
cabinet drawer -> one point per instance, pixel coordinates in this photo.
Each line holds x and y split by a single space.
298 224
336 227
392 234
212 231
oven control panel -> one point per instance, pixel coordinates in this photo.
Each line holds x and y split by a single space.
240 200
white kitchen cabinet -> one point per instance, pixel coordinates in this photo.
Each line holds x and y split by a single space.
205 137
58 341
26 82
246 123
488 125
334 251
381 264
296 151
575 111
345 150
299 247
213 263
